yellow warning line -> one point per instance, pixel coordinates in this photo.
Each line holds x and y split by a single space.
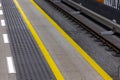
75 45
46 54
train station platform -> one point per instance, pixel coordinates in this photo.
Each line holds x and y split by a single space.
41 50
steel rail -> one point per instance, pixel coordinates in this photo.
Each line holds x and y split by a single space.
110 24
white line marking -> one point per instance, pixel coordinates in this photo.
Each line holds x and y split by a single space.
0 5
2 22
1 12
5 38
11 67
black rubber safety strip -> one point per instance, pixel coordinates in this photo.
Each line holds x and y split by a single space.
29 61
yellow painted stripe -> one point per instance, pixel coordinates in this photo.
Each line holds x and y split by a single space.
46 54
75 45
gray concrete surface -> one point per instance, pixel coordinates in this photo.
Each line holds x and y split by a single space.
72 65
4 52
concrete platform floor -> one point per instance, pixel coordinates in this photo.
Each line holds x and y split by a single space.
5 51
72 65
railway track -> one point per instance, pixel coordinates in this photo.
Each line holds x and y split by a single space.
91 22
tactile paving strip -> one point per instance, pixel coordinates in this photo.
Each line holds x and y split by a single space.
29 61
